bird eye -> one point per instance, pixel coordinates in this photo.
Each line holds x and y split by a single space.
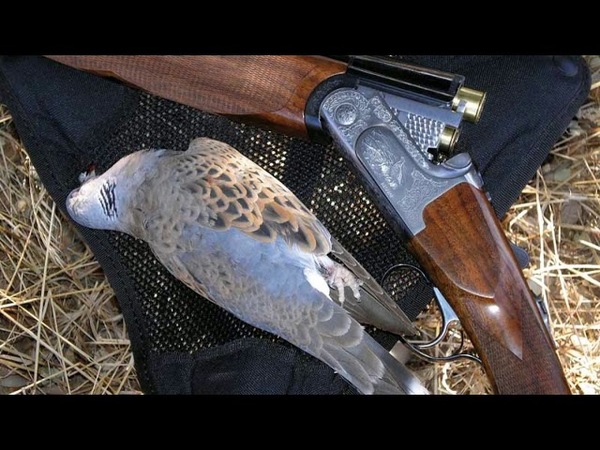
108 198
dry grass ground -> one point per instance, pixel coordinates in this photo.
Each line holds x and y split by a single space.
61 330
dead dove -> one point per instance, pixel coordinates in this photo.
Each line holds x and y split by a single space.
236 235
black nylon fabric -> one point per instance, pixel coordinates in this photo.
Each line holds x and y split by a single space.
523 116
184 344
231 369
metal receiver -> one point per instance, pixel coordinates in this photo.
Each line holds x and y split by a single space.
373 132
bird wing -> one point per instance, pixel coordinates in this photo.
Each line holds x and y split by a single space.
263 286
221 189
374 307
248 244
238 193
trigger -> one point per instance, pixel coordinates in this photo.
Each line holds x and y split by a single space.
449 318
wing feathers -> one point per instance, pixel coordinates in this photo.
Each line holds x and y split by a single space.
242 195
375 307
363 362
229 192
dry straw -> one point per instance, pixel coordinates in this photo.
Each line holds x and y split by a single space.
61 330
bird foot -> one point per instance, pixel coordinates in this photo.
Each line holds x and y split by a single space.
339 277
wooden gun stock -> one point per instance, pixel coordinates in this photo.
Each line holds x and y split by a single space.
259 89
468 257
462 246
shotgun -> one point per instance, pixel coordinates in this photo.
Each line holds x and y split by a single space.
397 125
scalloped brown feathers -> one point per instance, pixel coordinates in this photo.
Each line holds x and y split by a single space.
236 193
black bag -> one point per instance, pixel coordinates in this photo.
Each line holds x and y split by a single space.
184 344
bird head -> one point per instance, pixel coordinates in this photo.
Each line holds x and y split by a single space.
101 201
